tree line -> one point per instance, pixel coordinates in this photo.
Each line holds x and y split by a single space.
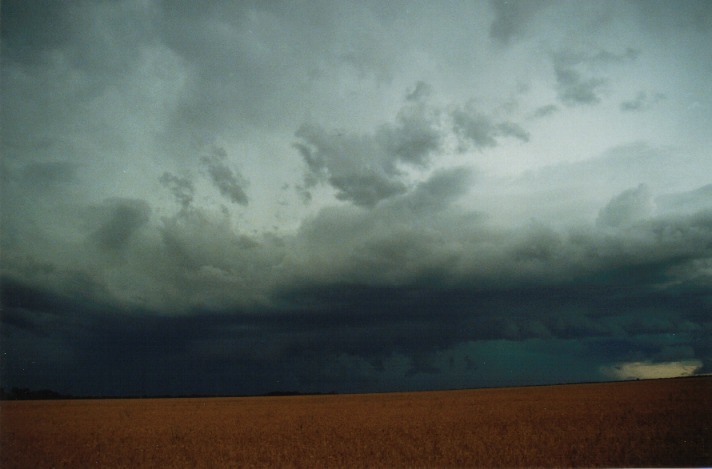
23 394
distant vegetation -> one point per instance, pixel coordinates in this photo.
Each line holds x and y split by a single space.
24 394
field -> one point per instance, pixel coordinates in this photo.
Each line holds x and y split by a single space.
643 423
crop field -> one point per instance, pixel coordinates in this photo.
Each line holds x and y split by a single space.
665 422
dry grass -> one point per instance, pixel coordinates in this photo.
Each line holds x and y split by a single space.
645 423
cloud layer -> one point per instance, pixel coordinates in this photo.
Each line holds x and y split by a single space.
353 196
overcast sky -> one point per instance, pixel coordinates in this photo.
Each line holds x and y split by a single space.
240 197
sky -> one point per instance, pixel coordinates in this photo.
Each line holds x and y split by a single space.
353 196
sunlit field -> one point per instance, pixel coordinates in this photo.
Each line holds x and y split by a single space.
664 422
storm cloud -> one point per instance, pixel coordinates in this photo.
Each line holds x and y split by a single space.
181 187
575 82
229 183
627 208
641 102
347 196
119 219
479 130
366 169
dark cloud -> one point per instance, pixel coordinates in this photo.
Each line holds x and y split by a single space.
420 282
476 128
353 336
607 57
574 89
366 189
420 93
49 174
686 14
574 86
699 199
118 221
228 182
510 129
588 185
641 102
415 135
357 167
627 208
235 56
376 331
33 28
392 242
205 261
181 187
440 190
635 104
512 18
136 261
546 110
364 169
198 36
47 35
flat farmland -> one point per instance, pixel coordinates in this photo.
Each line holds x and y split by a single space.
665 422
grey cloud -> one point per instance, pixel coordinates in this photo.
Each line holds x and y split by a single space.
368 57
475 127
364 169
607 57
233 59
627 208
538 283
120 219
404 249
581 189
196 239
635 104
472 126
641 102
59 60
181 187
393 241
414 137
84 34
663 16
546 110
31 28
512 18
423 288
49 174
421 92
387 276
366 189
510 129
357 167
228 62
229 183
439 191
191 260
208 263
575 88
685 202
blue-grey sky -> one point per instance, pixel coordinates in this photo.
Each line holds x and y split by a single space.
239 197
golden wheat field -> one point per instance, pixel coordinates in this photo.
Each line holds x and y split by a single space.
644 423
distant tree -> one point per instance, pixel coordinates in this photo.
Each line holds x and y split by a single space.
21 394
